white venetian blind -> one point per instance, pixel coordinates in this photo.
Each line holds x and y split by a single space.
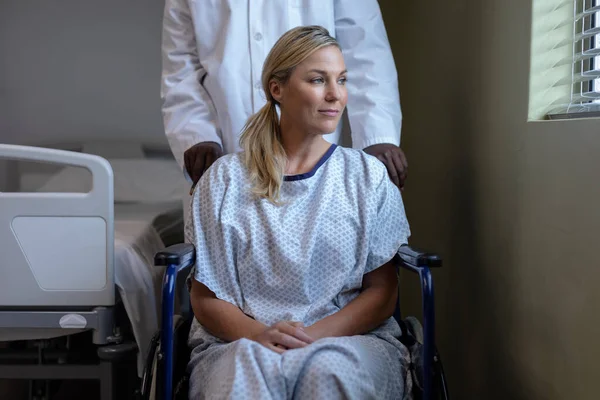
565 62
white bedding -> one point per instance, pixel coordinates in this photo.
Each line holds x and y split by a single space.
137 239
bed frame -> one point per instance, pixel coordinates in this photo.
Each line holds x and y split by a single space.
91 339
11 179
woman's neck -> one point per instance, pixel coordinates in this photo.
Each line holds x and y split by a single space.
303 152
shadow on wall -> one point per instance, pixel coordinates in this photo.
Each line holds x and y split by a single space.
440 78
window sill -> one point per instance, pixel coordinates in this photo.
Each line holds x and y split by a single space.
574 115
590 110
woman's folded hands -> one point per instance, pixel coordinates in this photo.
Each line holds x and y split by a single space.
284 335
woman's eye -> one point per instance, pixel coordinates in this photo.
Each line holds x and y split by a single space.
317 80
343 81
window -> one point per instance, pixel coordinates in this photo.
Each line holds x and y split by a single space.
584 97
594 47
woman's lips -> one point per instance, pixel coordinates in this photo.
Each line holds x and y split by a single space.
330 113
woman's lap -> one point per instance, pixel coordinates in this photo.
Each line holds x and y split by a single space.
348 367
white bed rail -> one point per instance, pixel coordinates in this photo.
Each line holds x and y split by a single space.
57 248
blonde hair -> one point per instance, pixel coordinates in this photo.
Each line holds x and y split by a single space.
260 140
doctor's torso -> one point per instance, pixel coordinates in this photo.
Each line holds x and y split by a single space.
233 38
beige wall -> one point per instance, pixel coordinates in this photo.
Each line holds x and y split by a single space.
512 205
80 69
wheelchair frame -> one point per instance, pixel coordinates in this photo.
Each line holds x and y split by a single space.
181 257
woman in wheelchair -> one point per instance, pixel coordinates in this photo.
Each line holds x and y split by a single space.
293 287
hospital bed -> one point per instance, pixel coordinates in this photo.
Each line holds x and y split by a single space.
79 227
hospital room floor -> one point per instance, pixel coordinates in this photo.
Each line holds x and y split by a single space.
18 390
66 390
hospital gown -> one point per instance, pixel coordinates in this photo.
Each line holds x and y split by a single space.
300 261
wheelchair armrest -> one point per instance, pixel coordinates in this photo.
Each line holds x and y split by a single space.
414 259
181 255
420 263
177 259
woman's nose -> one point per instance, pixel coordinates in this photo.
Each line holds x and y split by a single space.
333 93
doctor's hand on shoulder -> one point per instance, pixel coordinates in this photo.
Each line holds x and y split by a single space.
200 157
394 160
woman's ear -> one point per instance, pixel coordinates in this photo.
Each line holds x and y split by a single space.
276 90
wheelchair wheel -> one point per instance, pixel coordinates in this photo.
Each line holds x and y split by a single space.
415 328
152 379
149 376
182 356
440 389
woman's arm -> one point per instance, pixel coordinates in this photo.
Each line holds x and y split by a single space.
221 318
367 311
229 323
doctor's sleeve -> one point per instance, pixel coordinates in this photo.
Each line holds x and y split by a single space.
188 112
373 98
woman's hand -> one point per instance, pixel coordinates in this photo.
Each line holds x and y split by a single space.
282 336
316 331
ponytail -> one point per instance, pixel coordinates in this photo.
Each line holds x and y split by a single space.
264 155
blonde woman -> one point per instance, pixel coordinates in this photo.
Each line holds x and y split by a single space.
294 290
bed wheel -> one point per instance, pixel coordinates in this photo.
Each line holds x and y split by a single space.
117 352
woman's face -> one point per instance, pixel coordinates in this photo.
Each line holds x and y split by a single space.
315 95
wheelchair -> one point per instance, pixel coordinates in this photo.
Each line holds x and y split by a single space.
165 376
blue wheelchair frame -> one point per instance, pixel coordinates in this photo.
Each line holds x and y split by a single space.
181 257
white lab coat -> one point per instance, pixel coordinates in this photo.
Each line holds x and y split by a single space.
214 50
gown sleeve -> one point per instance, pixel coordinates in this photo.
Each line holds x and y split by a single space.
389 229
214 265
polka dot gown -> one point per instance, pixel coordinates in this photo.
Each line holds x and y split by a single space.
299 261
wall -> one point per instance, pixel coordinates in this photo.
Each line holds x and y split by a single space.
512 205
79 69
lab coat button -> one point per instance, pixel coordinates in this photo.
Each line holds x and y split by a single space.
258 36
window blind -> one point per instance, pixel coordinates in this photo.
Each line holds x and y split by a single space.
575 43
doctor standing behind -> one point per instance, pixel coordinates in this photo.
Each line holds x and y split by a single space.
213 52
